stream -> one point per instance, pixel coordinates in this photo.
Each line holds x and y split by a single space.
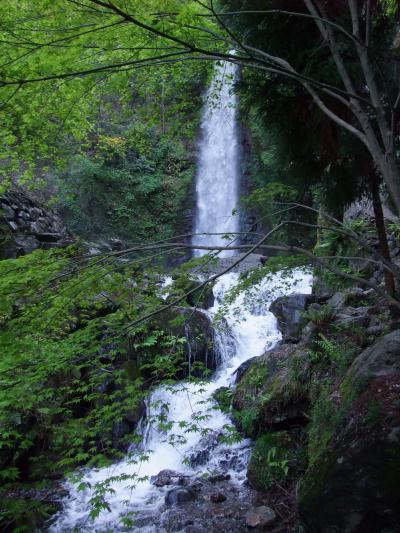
252 330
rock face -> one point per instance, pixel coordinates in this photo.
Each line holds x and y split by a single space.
26 226
200 341
289 312
352 486
266 398
194 325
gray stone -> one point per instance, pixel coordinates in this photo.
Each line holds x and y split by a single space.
341 299
289 312
380 359
375 331
260 517
179 495
30 227
7 211
166 477
357 316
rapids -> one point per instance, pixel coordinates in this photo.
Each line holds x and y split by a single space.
252 329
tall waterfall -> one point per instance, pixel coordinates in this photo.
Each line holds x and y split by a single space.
250 329
217 181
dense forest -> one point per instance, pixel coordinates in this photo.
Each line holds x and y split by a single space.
200 266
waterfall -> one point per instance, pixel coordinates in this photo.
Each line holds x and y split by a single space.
217 180
247 329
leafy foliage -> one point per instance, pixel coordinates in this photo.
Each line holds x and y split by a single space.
74 373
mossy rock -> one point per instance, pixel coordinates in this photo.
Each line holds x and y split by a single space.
194 327
352 483
223 398
272 393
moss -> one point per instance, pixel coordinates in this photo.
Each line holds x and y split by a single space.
248 399
312 484
271 392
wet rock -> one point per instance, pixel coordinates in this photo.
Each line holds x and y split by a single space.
196 528
202 452
161 480
269 394
179 495
219 477
200 341
289 312
242 369
217 497
124 428
168 477
260 517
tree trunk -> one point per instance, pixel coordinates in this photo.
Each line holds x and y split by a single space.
381 230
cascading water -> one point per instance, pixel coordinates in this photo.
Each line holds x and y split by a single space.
249 330
252 329
217 181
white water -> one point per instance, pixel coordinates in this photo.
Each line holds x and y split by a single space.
252 330
217 182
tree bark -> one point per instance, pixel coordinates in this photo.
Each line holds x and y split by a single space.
381 229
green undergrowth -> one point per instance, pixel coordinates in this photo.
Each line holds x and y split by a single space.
74 369
276 459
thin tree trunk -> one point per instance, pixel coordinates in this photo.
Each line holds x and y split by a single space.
381 229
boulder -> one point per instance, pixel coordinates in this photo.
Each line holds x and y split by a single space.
347 297
242 369
289 312
260 517
179 495
382 359
168 477
201 453
200 339
195 326
267 397
122 431
353 316
352 483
